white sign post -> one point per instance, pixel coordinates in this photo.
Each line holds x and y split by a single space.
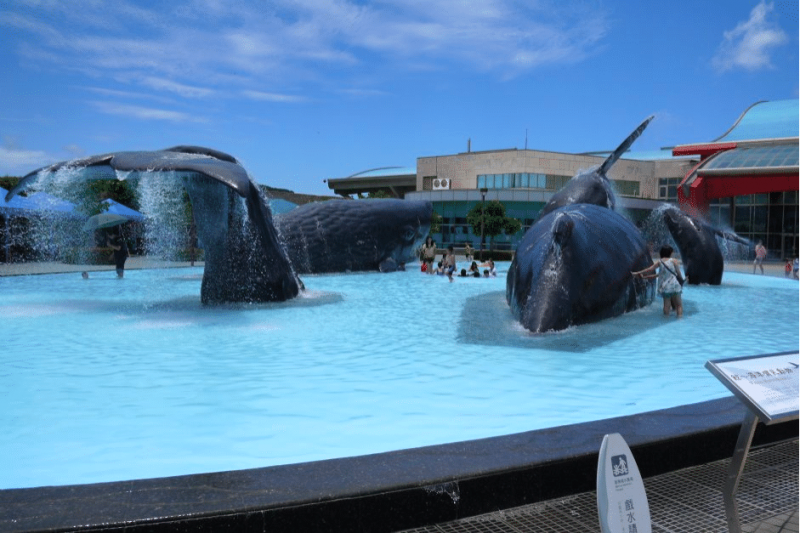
621 499
768 387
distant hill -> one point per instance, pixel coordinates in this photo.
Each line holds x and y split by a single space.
295 198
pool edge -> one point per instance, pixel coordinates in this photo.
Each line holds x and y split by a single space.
394 490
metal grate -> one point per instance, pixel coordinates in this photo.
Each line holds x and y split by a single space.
684 501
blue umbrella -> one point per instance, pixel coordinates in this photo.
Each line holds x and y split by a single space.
104 220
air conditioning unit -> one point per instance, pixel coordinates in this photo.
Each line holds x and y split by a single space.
441 184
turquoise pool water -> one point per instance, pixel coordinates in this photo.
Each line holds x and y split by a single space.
106 379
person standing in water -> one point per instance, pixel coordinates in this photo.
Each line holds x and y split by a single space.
428 254
670 280
449 261
120 250
761 253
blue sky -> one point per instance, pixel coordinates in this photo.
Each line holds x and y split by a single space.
304 90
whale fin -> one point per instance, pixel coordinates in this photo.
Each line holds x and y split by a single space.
622 148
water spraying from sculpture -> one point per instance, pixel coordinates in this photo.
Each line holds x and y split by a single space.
697 241
244 261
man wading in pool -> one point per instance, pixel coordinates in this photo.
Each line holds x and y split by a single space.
117 244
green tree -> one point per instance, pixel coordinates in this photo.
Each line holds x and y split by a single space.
492 217
436 223
380 194
89 195
8 182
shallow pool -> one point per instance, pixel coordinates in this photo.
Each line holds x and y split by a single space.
106 379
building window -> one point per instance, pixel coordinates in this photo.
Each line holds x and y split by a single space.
521 180
630 188
668 189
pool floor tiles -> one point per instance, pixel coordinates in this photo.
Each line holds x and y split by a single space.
683 501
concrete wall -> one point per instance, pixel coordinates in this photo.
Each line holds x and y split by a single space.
463 169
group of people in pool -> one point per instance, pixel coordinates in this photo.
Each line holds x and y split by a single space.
447 266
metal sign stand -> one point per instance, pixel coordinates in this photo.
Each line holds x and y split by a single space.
768 387
735 471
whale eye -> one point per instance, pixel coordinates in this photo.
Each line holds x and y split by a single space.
409 234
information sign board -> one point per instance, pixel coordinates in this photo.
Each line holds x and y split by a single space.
766 384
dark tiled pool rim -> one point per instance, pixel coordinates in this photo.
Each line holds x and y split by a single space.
390 491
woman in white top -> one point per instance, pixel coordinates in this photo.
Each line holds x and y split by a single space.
670 280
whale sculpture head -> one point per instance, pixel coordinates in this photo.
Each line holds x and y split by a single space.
574 266
244 261
354 235
593 186
696 240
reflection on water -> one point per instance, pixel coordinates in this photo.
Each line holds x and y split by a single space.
486 320
108 379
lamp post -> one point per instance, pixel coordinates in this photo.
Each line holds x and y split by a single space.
483 205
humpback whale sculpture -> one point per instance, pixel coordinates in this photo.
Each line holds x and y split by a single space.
244 261
593 187
574 266
354 235
697 243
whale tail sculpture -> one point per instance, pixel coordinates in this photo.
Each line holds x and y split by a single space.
594 187
244 260
623 147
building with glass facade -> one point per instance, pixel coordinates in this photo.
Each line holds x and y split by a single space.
747 180
524 180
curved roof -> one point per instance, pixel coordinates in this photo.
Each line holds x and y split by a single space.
765 120
755 157
384 171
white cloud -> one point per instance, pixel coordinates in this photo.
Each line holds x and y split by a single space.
272 97
145 113
74 150
17 161
748 45
180 89
124 94
244 44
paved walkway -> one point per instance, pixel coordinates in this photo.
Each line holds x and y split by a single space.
52 267
746 267
138 262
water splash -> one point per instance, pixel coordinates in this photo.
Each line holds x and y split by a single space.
450 488
655 231
162 201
